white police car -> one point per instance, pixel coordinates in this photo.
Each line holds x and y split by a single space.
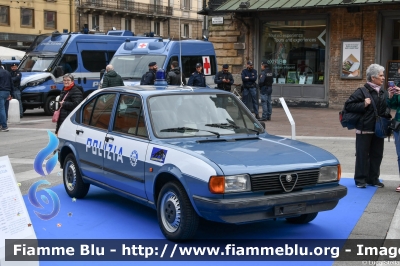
190 153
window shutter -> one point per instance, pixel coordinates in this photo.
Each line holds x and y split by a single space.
190 31
133 25
161 28
182 30
182 3
152 26
101 22
90 21
122 23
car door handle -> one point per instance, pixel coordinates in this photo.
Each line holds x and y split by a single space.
109 138
78 131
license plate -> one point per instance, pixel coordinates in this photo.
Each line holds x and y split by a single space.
290 209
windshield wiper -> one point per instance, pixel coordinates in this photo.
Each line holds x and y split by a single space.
187 129
222 125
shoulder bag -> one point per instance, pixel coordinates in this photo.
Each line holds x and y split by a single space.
56 113
382 124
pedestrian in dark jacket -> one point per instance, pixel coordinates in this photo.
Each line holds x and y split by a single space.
249 78
70 97
6 93
150 76
174 75
369 147
224 79
16 78
111 78
197 78
265 83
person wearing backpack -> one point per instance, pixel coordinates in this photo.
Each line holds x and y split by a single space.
369 147
150 76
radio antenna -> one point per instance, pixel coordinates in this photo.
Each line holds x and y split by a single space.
180 51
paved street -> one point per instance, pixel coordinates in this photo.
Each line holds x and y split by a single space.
319 127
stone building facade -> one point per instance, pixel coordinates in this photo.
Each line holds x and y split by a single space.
244 36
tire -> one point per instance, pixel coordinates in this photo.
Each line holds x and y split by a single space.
176 217
49 105
73 183
302 219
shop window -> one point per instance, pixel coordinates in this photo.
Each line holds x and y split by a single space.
27 18
295 50
50 20
5 15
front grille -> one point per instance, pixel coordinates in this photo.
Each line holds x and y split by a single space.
270 182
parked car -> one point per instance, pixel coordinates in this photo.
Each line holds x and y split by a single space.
191 153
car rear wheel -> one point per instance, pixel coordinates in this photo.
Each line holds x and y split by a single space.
302 219
49 105
73 183
176 216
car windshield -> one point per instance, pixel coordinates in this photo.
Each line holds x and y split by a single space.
36 63
134 66
188 115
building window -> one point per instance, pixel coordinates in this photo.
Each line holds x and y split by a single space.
295 49
95 22
128 24
157 28
186 30
50 19
4 15
186 4
27 18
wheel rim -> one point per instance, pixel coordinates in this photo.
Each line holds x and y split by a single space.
170 211
51 105
70 176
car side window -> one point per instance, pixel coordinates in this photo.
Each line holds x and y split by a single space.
129 117
100 109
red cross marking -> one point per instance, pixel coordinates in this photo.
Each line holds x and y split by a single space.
206 65
142 45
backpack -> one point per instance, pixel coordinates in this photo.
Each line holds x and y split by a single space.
144 76
349 119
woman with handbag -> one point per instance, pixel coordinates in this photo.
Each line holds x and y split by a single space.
369 147
394 103
70 98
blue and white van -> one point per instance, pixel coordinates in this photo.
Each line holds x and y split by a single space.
83 55
133 57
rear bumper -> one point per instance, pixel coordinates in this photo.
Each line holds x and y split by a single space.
243 210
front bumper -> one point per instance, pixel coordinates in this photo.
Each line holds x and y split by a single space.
33 100
244 210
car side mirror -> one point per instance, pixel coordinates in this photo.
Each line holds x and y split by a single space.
102 73
59 72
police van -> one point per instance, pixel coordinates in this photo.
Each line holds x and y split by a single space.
83 55
133 57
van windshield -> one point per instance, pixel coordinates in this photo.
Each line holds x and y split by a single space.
36 63
134 66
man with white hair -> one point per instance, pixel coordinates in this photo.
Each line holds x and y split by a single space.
111 78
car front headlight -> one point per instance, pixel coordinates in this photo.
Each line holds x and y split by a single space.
229 184
329 174
35 83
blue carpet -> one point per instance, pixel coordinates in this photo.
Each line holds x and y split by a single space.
104 215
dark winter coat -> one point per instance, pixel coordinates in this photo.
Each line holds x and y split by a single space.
174 77
356 104
197 79
221 75
73 99
149 77
112 79
250 82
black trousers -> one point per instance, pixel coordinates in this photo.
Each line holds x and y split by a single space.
369 154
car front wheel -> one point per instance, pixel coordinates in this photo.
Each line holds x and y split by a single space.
73 182
176 216
49 105
302 219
